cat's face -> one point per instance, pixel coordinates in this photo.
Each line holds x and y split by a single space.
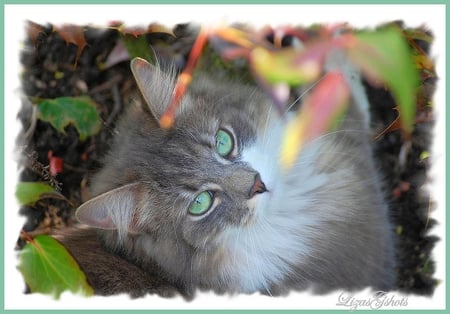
209 187
195 179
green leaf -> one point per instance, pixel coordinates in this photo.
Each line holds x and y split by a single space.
29 192
138 46
384 56
79 111
48 268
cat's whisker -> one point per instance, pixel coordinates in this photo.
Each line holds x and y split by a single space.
266 125
258 246
304 93
346 131
176 236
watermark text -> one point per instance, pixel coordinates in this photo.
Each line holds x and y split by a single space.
378 300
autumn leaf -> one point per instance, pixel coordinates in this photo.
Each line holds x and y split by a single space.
33 30
276 71
48 268
234 36
73 34
384 57
55 163
282 66
417 34
79 111
28 193
137 31
159 28
320 112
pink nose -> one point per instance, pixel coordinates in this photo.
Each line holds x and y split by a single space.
258 187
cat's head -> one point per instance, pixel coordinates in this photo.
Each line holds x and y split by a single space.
188 183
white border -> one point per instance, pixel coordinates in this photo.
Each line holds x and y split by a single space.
432 16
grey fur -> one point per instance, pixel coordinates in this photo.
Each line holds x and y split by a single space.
330 206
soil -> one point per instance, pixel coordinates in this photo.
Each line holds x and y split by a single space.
51 68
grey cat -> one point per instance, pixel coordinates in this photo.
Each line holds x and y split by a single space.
205 205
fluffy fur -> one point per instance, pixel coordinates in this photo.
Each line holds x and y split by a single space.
322 225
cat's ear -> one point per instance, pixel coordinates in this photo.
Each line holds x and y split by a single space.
114 210
155 85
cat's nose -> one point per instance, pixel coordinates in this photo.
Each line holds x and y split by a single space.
258 187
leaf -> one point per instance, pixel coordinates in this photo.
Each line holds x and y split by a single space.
28 193
234 36
424 62
159 28
79 111
296 66
134 39
138 31
48 268
384 56
138 46
418 34
33 31
55 163
283 66
73 34
319 113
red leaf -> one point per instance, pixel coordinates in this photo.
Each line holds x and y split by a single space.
319 113
56 164
33 31
326 103
73 34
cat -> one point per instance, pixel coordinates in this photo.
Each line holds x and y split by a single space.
205 204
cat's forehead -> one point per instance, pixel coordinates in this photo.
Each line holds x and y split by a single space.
205 116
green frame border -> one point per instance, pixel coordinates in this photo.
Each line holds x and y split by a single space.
2 151
224 2
168 2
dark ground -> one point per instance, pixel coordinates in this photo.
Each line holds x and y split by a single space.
49 71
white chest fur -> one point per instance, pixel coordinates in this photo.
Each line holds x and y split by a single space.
262 253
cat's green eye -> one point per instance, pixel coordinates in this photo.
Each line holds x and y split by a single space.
224 143
202 203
